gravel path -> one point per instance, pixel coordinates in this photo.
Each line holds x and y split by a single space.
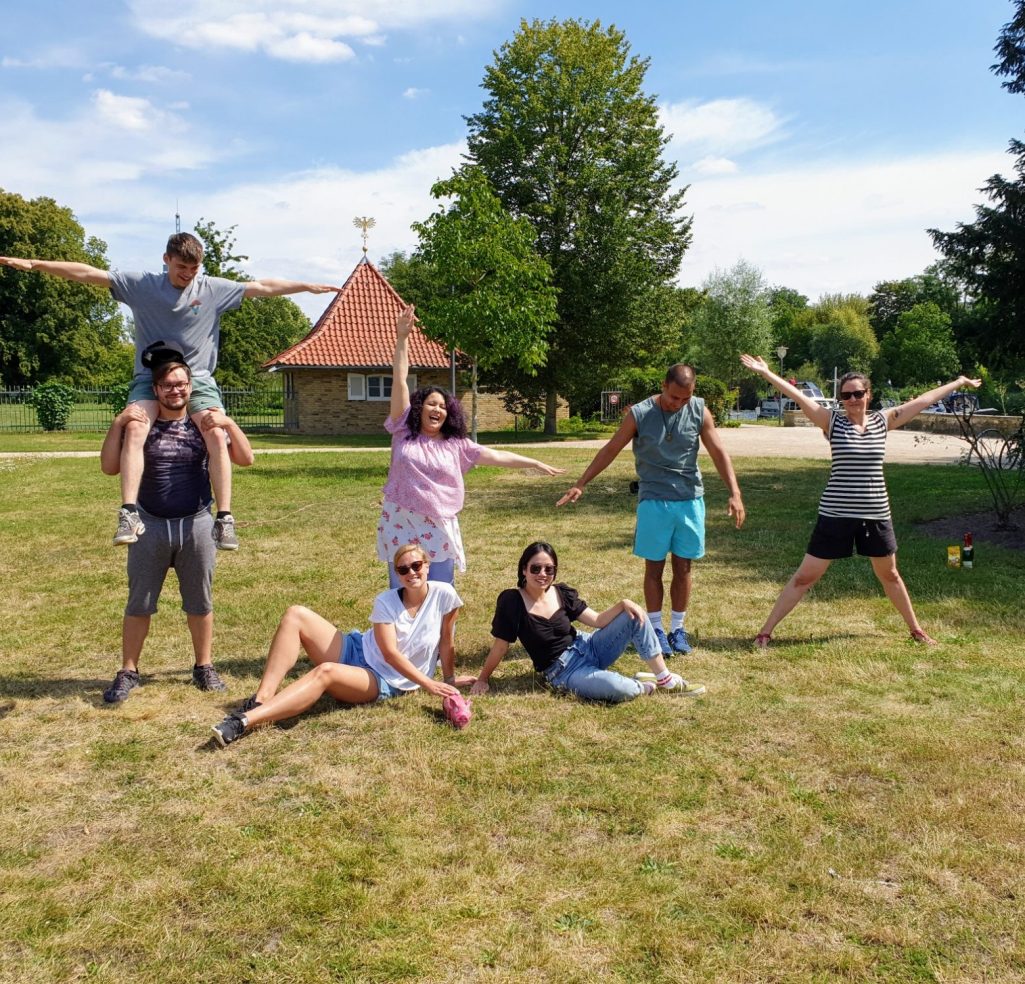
909 447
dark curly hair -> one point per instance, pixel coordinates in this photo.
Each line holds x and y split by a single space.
538 546
455 422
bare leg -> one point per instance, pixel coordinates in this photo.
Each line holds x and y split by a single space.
350 684
893 584
653 589
201 628
679 587
299 628
811 569
220 463
134 630
131 452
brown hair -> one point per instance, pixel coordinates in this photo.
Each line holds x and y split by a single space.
848 377
165 367
185 247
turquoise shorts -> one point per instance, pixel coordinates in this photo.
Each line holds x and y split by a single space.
206 394
670 526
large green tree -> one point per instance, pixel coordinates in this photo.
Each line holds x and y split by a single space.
492 295
568 139
260 329
53 329
920 350
842 337
733 318
892 298
987 256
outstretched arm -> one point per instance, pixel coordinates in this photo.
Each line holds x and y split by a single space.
499 647
400 362
80 273
713 445
272 287
626 433
816 413
508 459
899 416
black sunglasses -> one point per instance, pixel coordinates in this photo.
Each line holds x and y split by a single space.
547 569
403 569
853 394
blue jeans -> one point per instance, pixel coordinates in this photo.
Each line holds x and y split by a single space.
583 669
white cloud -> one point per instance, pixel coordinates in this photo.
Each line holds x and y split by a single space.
828 227
713 165
414 93
157 74
55 56
307 30
124 112
718 128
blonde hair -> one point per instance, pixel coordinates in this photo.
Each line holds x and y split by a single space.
408 548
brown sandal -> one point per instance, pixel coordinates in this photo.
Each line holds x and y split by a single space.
762 640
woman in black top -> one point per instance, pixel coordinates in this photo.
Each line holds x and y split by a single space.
539 613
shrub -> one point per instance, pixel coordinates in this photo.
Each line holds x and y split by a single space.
53 403
717 396
119 397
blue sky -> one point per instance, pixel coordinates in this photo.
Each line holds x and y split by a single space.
819 139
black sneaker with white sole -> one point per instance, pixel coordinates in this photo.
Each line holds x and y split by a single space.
230 729
124 682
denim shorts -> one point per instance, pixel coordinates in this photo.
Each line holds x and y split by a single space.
352 655
206 394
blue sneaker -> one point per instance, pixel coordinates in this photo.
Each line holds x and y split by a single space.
663 642
679 641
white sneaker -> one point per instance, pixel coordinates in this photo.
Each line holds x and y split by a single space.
129 527
676 685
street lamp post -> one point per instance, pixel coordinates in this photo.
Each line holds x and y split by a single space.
781 352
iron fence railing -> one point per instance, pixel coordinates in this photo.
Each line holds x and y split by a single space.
258 409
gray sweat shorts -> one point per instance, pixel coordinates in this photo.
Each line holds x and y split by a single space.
185 544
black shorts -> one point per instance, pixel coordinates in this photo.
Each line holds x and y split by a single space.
838 536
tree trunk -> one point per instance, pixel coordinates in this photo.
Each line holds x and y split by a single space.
551 408
473 402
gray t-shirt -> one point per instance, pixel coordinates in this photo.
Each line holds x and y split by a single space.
666 450
188 319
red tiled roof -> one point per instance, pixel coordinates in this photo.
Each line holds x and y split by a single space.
357 331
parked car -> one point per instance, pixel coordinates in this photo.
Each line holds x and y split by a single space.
770 408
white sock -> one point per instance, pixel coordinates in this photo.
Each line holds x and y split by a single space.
656 619
677 620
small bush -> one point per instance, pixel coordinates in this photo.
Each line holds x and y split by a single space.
119 397
717 396
53 403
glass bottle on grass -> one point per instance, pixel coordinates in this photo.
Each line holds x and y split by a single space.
968 552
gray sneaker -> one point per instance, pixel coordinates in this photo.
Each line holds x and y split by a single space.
205 677
124 682
129 527
230 729
224 533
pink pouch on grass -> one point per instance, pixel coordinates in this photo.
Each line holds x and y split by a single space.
458 711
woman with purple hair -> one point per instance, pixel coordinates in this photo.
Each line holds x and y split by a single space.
430 453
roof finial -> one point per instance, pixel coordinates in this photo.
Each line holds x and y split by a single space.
364 223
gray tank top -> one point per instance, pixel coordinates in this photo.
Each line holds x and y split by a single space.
666 450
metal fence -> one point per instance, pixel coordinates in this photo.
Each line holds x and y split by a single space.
258 409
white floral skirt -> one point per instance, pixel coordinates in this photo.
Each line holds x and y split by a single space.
440 538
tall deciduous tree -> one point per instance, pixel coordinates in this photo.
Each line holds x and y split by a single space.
733 318
492 296
892 298
261 328
987 256
842 337
568 139
52 328
920 349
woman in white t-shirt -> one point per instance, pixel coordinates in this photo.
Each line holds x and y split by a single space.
412 627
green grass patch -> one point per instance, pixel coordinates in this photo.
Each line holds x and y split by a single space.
845 806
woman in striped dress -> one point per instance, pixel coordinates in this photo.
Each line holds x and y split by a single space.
854 511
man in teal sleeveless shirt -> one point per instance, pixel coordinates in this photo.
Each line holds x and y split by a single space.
665 430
